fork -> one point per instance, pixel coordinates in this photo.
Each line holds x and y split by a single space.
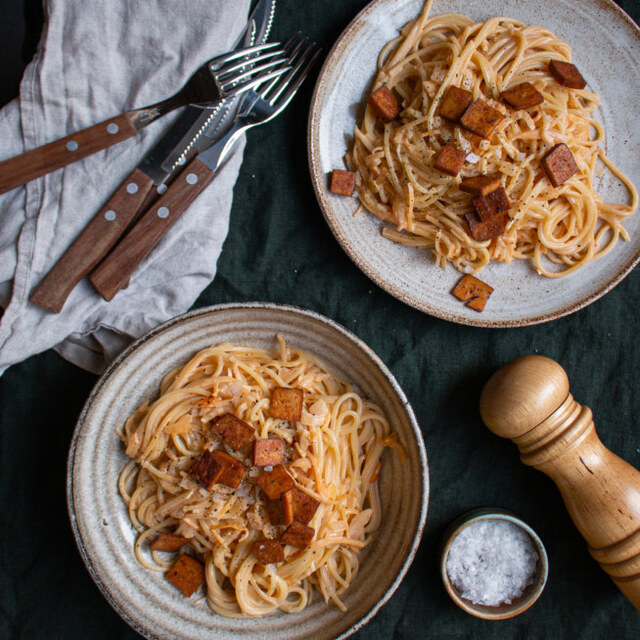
217 79
256 108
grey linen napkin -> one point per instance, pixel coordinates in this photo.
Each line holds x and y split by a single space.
97 60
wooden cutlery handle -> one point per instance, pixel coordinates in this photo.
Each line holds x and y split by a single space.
42 160
93 243
113 273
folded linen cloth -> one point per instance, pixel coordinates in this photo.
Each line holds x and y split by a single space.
96 60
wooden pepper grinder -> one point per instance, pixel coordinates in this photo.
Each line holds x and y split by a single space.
528 400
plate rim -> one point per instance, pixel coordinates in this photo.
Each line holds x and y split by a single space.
318 179
211 310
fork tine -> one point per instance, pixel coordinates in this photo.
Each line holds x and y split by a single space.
241 53
229 80
290 82
226 74
256 82
294 44
298 48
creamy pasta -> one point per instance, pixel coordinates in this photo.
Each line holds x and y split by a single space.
333 454
560 228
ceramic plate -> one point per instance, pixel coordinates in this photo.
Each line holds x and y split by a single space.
105 537
606 47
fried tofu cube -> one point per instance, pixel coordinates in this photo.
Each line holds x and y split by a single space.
454 103
275 483
232 469
213 467
278 512
481 118
480 185
482 230
303 505
286 404
567 74
298 535
267 551
559 164
232 431
449 160
205 470
187 574
268 451
473 291
522 96
167 542
385 103
493 203
343 182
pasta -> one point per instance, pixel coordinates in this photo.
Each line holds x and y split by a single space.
560 228
333 455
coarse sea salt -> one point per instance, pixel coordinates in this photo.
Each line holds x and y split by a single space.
491 562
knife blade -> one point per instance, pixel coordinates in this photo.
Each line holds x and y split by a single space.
136 192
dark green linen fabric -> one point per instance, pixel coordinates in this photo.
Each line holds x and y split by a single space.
280 249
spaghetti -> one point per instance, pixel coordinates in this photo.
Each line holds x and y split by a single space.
333 455
561 228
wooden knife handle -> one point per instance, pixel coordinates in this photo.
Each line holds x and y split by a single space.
42 160
114 271
93 243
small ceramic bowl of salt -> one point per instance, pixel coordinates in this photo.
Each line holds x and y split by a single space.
493 565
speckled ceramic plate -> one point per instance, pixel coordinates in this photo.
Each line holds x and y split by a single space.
606 46
105 537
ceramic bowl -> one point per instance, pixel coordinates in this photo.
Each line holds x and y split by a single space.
504 610
99 518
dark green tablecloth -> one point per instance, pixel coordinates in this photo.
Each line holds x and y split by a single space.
280 249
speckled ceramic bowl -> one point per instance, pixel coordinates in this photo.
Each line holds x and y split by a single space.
99 518
606 47
501 611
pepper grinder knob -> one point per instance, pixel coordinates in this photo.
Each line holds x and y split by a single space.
528 401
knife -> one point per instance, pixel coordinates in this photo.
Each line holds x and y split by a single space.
136 192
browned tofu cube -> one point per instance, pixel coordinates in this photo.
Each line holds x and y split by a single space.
205 470
167 542
522 96
303 505
232 469
454 103
559 164
232 430
481 118
343 182
278 512
480 185
493 203
385 103
187 574
449 160
567 74
286 404
275 483
473 291
482 230
267 551
268 451
298 535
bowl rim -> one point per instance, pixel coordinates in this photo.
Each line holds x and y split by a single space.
483 611
312 315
